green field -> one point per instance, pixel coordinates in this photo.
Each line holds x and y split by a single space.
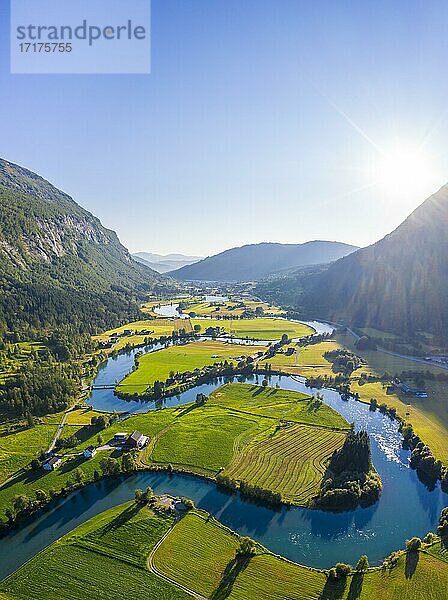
18 449
238 423
182 358
104 558
156 327
205 439
28 482
268 577
197 439
292 461
308 361
258 329
197 552
275 403
80 416
229 308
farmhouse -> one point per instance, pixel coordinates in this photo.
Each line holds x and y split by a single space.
410 391
136 440
120 438
89 452
52 463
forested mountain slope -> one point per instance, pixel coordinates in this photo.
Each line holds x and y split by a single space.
399 284
254 261
58 264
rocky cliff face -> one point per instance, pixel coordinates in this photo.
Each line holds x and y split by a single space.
50 245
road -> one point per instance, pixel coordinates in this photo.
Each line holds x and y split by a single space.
58 432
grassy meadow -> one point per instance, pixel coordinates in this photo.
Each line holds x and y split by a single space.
199 439
230 308
196 553
18 448
238 424
257 329
180 358
308 361
157 327
199 553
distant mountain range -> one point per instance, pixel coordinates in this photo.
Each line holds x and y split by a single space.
58 264
165 263
398 284
255 261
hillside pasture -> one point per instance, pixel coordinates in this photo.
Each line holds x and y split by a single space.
276 403
206 438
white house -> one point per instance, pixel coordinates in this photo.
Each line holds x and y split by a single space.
52 463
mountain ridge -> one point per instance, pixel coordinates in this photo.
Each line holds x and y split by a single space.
399 283
252 262
165 263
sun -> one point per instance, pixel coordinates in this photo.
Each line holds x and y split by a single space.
406 169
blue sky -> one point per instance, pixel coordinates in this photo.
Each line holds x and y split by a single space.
261 121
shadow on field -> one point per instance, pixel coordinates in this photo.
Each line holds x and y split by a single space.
334 589
411 563
233 569
355 587
122 518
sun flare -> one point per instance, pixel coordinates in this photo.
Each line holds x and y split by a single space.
406 169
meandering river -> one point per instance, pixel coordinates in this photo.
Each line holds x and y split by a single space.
407 507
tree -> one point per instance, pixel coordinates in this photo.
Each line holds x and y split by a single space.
127 462
110 466
100 439
442 528
285 338
41 496
200 399
342 570
197 328
30 419
103 421
363 564
21 504
413 544
247 547
79 476
264 383
138 495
